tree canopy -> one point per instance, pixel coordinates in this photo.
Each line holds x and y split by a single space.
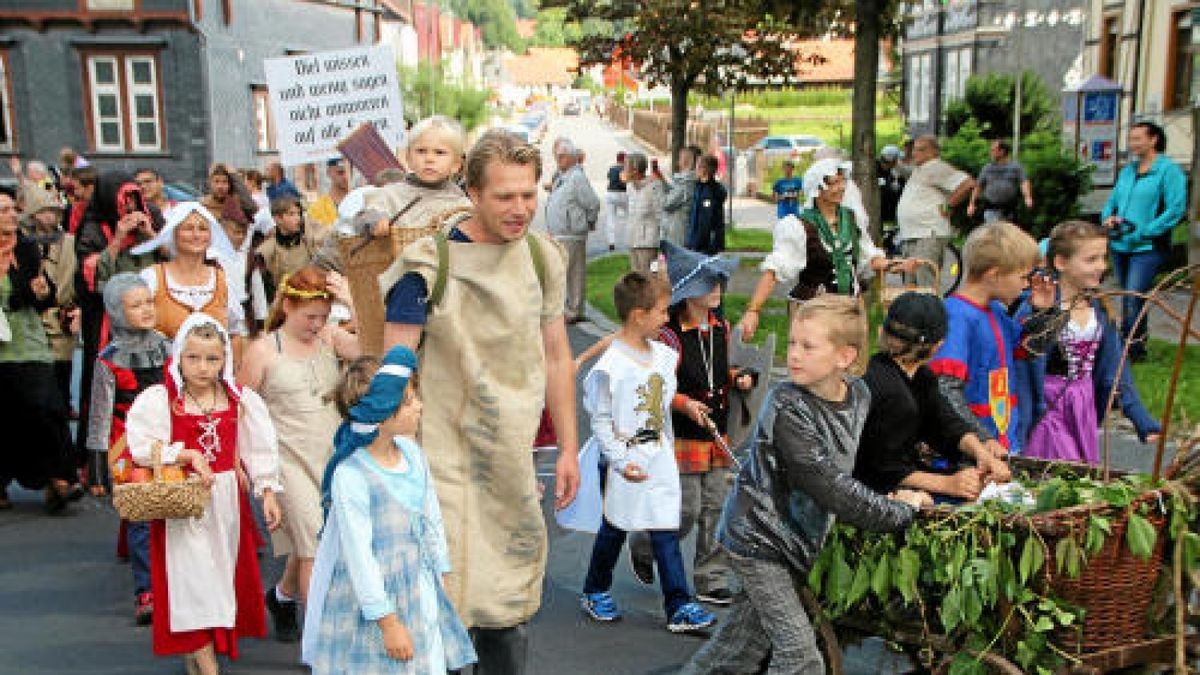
497 19
686 45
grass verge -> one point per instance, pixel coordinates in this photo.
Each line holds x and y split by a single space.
748 239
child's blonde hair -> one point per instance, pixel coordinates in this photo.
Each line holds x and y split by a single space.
843 317
450 130
355 381
1002 246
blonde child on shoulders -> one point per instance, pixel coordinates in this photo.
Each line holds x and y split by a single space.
434 157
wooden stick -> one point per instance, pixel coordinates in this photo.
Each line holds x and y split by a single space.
1179 353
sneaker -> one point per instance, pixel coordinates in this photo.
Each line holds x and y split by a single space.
643 568
600 606
690 618
143 609
717 596
283 615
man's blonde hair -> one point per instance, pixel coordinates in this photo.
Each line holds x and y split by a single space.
1002 246
843 317
503 147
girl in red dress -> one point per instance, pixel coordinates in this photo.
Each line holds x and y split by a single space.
204 572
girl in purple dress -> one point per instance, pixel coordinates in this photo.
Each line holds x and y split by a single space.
1071 384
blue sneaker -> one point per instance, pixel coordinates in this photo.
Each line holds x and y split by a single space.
600 606
690 618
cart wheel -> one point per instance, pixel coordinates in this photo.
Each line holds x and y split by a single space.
827 642
995 664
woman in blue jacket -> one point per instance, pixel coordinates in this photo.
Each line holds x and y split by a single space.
1147 202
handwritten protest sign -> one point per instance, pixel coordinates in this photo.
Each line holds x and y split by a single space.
317 99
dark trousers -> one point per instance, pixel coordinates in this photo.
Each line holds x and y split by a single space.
672 575
137 538
91 307
1135 272
62 375
501 651
610 539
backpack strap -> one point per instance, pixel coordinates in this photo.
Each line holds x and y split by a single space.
539 262
443 260
442 245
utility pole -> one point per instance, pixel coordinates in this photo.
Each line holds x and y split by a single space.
1018 26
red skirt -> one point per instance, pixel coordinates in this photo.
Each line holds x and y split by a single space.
251 618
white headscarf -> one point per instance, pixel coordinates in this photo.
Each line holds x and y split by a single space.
816 176
814 182
194 320
219 247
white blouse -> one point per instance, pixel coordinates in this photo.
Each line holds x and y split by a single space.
789 251
149 420
196 297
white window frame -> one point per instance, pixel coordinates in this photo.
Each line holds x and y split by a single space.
7 108
264 124
965 57
133 90
914 87
97 89
125 91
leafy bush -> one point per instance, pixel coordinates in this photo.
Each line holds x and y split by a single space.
424 90
1058 178
989 100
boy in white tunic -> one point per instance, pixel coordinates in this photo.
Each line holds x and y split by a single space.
628 395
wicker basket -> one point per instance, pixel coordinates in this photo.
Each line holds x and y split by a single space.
364 260
1115 588
888 294
403 235
159 499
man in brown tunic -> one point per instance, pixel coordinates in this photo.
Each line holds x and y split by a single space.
494 352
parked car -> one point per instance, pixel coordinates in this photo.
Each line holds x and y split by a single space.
535 122
571 108
789 146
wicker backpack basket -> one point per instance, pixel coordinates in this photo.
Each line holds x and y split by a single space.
888 294
158 498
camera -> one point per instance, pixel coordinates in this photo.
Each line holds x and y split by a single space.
1120 228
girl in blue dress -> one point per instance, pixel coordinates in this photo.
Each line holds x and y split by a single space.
376 603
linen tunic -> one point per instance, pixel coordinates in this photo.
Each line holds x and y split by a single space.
628 392
483 382
298 392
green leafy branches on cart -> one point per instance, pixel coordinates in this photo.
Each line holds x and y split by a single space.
982 578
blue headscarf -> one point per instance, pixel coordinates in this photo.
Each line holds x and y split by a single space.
380 402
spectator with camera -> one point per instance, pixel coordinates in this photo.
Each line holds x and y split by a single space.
1148 201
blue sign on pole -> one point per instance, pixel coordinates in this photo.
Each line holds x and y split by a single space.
1100 107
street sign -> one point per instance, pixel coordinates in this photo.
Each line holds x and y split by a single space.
317 99
1091 117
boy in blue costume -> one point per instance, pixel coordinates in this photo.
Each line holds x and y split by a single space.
975 363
